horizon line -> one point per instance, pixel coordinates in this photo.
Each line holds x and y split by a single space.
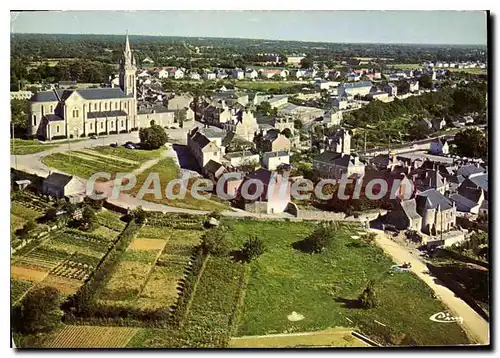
252 38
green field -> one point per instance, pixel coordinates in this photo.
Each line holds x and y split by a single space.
167 171
265 86
86 162
321 287
406 66
21 146
474 71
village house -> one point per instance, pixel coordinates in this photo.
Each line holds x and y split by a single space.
404 216
231 97
437 211
331 165
147 61
194 76
431 179
203 148
391 89
213 170
271 73
238 74
237 159
272 160
439 146
361 88
273 199
209 76
414 86
61 185
175 73
438 123
272 141
251 74
243 124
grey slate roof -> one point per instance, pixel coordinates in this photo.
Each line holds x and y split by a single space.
212 166
468 169
117 113
431 199
242 154
261 174
357 84
281 153
53 118
462 201
480 180
58 179
86 93
201 140
410 208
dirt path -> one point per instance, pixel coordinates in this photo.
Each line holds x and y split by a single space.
473 324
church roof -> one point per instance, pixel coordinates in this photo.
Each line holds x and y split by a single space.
86 93
105 114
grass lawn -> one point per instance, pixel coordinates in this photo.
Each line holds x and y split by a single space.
322 288
474 71
266 85
167 171
406 66
22 146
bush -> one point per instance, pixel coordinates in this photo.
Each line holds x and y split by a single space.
214 242
253 248
368 299
139 215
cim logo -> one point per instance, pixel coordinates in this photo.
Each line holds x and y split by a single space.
445 317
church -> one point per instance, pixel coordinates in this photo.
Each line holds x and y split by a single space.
75 113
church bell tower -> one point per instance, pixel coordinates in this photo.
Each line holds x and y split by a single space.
128 82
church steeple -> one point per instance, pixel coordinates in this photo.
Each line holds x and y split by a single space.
127 71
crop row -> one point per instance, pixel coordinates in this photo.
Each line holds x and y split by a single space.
74 270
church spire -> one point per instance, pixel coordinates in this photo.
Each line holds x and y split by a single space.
127 44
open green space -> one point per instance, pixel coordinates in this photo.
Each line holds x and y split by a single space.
168 171
265 86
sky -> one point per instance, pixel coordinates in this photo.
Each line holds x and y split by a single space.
419 27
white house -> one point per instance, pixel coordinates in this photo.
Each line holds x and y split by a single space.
272 160
238 74
209 76
176 73
251 74
194 76
439 147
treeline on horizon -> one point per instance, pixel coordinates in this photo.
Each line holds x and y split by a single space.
106 48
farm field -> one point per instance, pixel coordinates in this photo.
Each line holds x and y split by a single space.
91 337
284 280
66 257
18 288
474 71
86 162
148 273
406 66
167 171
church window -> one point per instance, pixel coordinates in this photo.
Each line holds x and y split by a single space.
105 106
34 120
77 112
90 126
111 124
116 105
57 129
74 114
102 125
125 105
122 124
51 109
95 107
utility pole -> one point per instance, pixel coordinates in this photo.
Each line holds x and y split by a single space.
14 145
365 141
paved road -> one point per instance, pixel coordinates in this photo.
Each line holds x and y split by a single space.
476 327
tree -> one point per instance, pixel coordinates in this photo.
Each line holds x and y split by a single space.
419 131
19 110
287 133
472 143
153 137
425 81
297 124
368 299
214 242
248 165
40 310
253 248
139 215
180 117
306 62
265 108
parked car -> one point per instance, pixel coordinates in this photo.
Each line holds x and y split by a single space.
113 145
93 137
130 146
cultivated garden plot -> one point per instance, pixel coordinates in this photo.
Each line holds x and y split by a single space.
91 337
